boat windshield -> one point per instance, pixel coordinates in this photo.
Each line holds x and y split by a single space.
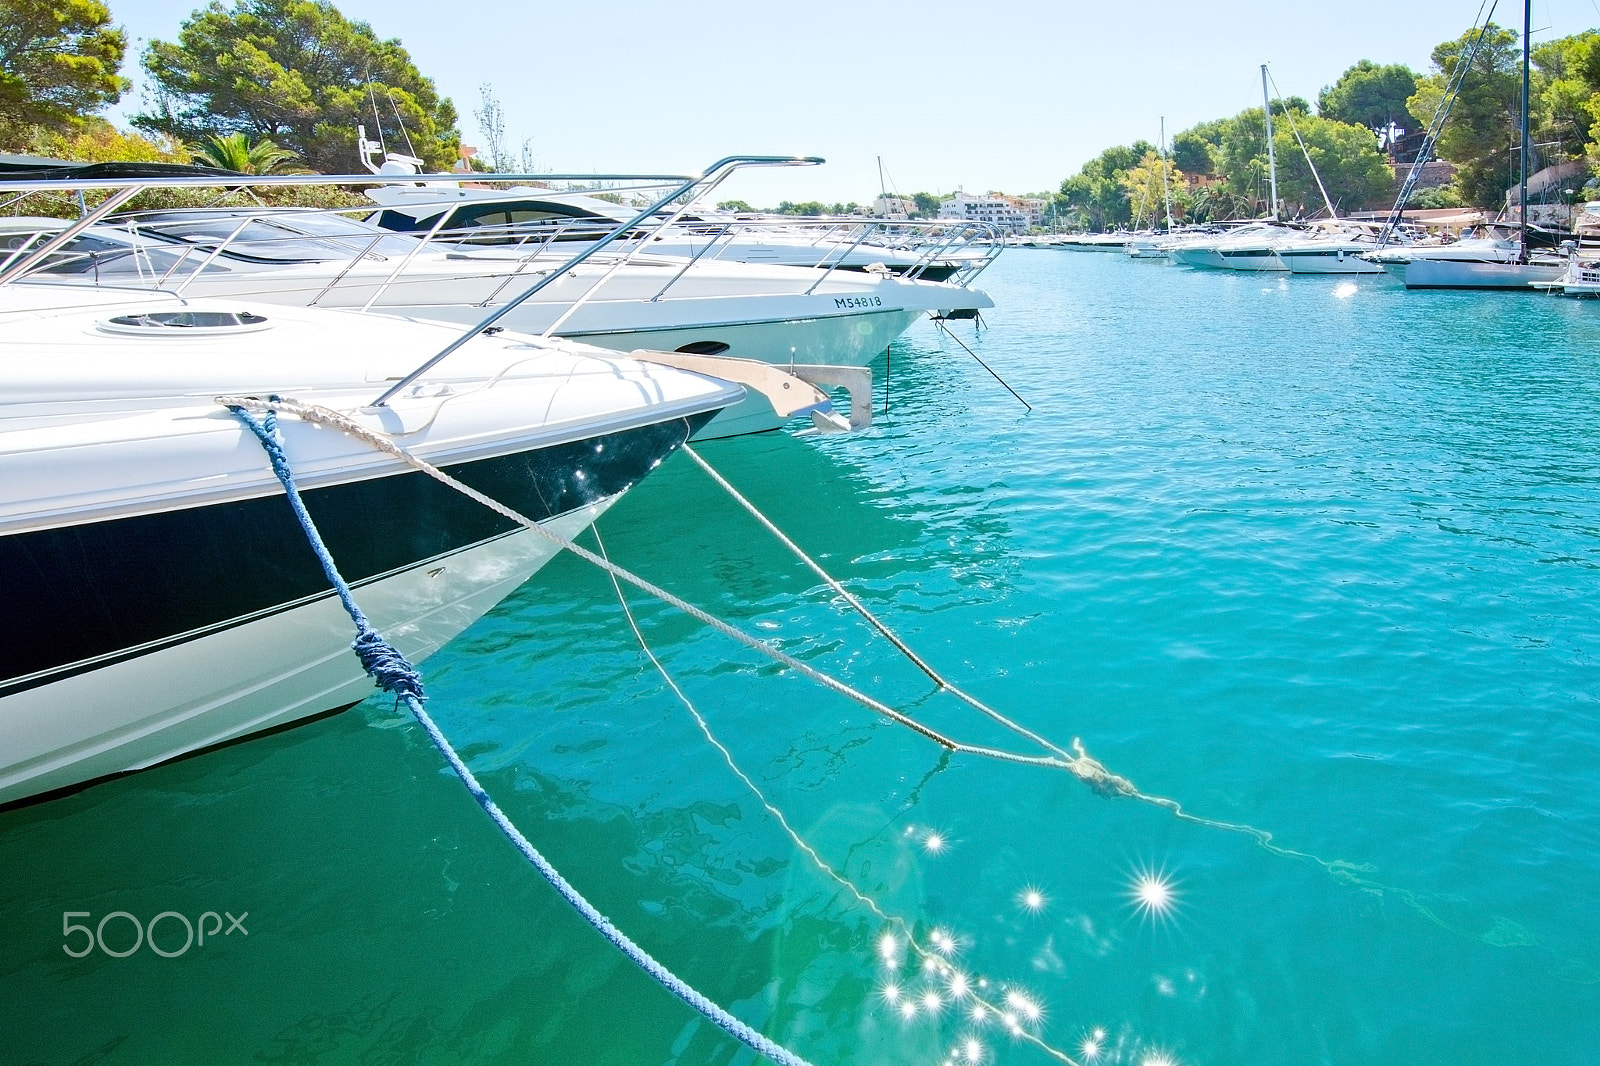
103 256
504 223
291 237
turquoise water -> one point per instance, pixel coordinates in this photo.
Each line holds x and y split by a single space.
1312 556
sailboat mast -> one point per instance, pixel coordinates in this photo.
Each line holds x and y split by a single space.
1166 185
1522 194
1272 161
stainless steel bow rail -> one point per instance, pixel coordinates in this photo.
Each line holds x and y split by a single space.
680 189
689 188
968 247
124 189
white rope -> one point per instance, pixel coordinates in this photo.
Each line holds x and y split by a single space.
900 923
1082 765
1085 767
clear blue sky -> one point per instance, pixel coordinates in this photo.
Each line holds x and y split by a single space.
1011 95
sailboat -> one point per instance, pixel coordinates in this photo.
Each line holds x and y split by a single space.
1150 245
1249 247
1494 261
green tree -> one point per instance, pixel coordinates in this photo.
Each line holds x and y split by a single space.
58 63
1568 107
1192 150
1346 157
97 141
1142 185
927 204
1241 155
1369 95
1096 194
1213 201
298 73
736 205
1485 119
492 128
238 153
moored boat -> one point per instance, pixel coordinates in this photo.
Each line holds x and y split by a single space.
167 599
787 316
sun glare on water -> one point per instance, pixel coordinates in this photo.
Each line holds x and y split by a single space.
1153 894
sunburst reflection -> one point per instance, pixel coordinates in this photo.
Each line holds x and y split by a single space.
1153 894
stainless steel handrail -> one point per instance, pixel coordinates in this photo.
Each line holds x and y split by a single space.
714 174
38 256
928 242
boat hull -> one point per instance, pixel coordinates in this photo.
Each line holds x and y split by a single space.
1262 259
1466 274
1327 261
832 340
253 674
165 594
1205 258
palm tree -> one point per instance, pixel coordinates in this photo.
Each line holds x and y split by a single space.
238 153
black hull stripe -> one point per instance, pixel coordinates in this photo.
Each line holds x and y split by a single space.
86 592
84 666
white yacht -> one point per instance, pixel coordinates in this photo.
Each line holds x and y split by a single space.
1207 250
1335 247
1489 257
787 316
1114 241
567 222
163 595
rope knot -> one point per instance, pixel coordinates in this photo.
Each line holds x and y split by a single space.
391 670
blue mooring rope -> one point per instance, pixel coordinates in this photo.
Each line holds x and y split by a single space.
394 674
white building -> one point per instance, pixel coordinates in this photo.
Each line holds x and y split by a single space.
897 208
1035 208
994 208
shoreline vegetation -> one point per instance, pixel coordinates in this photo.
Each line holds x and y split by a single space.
250 87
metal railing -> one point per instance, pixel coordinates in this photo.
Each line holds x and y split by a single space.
958 251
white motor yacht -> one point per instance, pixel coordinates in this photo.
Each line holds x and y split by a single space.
787 316
163 595
1114 241
566 222
1489 257
1207 250
1336 247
